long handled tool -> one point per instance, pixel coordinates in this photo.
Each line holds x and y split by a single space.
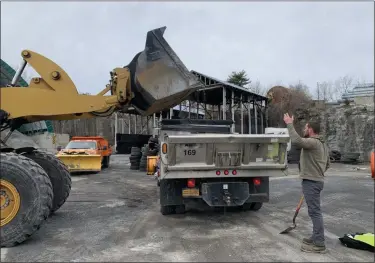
294 217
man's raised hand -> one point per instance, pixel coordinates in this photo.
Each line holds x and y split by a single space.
288 119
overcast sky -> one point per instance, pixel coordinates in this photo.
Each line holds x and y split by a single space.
276 42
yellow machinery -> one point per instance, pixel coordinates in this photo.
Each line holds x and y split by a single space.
34 183
86 154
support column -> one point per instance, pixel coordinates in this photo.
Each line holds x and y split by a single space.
135 127
170 113
154 120
266 114
224 103
241 103
148 124
232 111
261 119
205 111
249 112
197 104
116 130
256 116
189 108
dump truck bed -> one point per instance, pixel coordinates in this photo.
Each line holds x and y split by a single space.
204 154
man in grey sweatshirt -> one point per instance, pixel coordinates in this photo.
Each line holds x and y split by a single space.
314 162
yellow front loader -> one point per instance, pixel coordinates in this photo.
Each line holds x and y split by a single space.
35 183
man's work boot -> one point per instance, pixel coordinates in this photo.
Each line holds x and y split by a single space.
312 248
307 241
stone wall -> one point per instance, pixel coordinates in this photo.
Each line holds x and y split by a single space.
350 128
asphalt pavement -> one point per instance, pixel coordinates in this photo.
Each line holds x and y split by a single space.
114 216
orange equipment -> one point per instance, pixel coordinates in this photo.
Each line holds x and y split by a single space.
86 154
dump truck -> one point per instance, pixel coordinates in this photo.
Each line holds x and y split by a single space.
201 160
34 183
86 154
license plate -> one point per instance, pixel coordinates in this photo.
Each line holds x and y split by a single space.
190 192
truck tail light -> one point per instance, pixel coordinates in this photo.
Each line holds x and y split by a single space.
191 183
164 148
256 181
234 172
218 172
226 172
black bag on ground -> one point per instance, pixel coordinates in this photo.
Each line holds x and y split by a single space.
362 241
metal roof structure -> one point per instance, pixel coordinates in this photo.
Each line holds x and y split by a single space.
366 90
212 92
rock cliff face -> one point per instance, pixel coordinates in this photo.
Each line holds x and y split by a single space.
350 129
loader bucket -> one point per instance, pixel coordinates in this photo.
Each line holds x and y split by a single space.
159 79
81 162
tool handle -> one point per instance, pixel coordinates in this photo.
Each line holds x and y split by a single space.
298 207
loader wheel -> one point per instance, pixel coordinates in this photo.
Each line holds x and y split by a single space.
57 172
26 198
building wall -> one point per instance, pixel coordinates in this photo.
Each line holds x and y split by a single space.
368 100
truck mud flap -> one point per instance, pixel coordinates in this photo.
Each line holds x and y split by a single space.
225 194
171 192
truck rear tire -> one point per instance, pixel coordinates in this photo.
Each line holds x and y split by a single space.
252 206
57 173
167 209
180 209
26 198
256 206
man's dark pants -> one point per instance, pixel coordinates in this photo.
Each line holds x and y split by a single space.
311 191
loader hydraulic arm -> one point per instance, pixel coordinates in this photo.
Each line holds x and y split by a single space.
156 79
53 95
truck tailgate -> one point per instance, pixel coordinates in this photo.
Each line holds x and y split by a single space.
201 152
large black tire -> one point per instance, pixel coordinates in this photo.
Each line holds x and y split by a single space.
256 206
57 172
247 206
36 195
167 209
133 158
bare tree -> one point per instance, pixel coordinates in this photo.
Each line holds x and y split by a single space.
343 85
301 87
325 91
258 88
292 100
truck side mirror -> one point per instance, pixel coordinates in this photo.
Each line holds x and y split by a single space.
105 147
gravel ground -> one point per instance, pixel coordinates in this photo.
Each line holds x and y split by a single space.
114 216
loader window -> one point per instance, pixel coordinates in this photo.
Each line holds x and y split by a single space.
81 145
